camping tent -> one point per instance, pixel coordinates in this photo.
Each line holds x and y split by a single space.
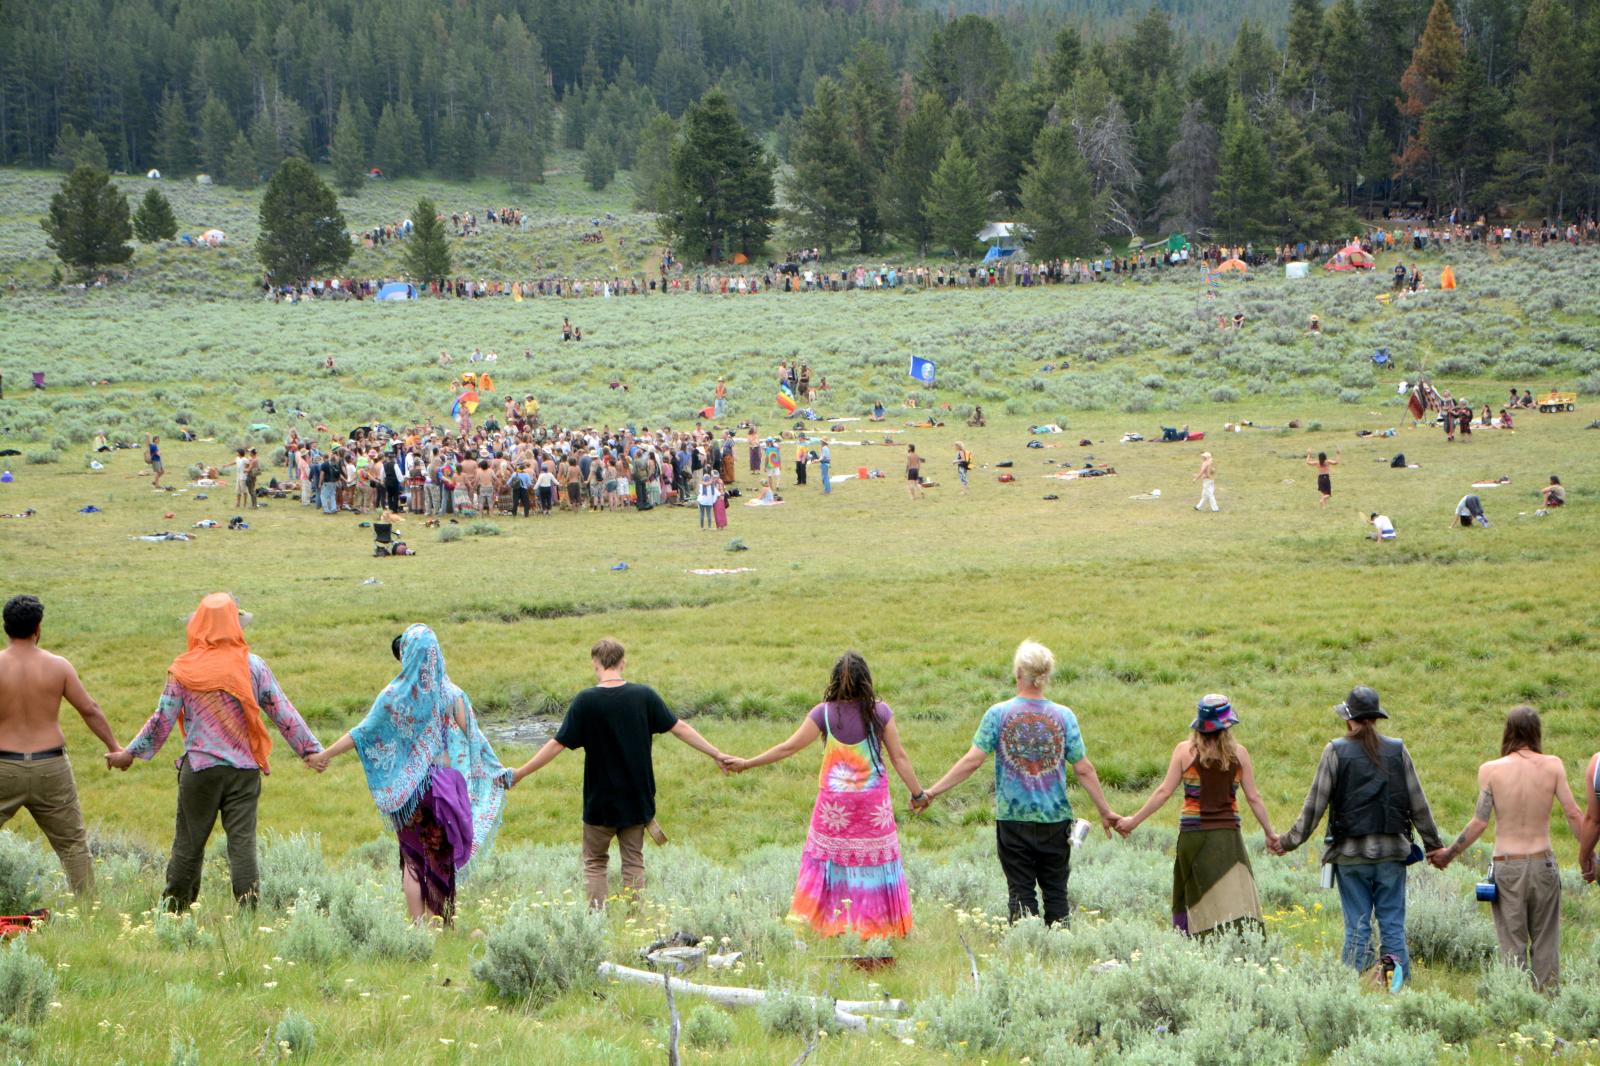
1233 264
213 237
1006 236
374 173
202 179
1296 269
1177 242
1350 257
153 174
397 290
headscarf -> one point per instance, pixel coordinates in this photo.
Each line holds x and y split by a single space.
411 731
218 660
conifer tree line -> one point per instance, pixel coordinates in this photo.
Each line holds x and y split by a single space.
1088 120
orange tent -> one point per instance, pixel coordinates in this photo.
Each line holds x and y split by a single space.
1233 264
1350 257
1447 278
740 258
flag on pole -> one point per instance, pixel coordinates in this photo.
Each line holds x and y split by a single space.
922 369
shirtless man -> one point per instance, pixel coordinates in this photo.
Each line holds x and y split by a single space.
1207 475
34 770
484 478
1519 789
1590 836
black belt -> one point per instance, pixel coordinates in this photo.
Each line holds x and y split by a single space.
32 756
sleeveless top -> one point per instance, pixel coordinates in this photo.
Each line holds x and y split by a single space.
1209 799
850 767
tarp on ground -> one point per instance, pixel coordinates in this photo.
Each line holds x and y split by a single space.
1351 257
1296 270
214 237
397 290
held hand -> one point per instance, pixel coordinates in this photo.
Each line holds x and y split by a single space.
1274 847
1109 821
120 759
1125 826
1588 868
1440 858
732 764
318 761
918 806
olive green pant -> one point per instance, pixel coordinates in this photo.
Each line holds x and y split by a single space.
202 796
46 789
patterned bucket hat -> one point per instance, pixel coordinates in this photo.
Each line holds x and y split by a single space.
1213 714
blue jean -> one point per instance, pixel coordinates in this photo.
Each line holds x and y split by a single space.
707 520
720 406
1367 890
329 500
827 485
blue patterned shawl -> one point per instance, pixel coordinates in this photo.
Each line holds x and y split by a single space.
411 730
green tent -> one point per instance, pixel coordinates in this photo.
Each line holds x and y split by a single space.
1177 242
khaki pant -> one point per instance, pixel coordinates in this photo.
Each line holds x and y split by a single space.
597 859
1527 916
47 790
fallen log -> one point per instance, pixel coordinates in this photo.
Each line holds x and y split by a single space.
851 1014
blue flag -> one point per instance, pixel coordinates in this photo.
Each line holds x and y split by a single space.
922 369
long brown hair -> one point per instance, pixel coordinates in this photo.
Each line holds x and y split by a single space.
1365 731
851 682
1218 750
1524 731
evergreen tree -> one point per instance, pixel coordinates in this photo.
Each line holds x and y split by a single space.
1253 64
956 204
396 148
1377 162
827 172
519 158
174 148
721 197
652 163
1154 135
1241 205
217 130
1552 114
868 97
153 220
966 60
240 168
426 252
1061 65
72 151
1433 68
1465 130
302 230
1191 173
1305 204
1307 35
1058 198
599 161
347 154
87 225
910 171
1012 131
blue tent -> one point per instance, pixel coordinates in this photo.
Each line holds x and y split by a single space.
397 290
996 253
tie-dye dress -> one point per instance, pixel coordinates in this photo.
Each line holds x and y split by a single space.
850 872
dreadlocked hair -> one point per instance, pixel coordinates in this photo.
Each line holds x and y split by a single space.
851 682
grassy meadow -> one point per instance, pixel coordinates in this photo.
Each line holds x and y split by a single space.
1147 604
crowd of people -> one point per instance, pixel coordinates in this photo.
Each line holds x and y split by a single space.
437 783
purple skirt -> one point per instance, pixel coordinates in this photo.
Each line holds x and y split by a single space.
437 840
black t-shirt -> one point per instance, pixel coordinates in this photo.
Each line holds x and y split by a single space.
615 727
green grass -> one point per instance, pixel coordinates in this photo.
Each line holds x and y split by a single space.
1148 605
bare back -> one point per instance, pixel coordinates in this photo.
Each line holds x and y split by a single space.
33 682
1525 787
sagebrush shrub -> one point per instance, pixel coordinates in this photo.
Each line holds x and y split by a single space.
708 1027
295 1035
539 951
1390 1047
27 984
179 932
786 1013
1506 998
372 919
1575 1011
1456 1021
312 935
291 865
1444 925
183 1053
24 874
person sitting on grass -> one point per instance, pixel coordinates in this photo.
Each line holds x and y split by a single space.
1555 493
217 692
1382 527
1470 509
432 773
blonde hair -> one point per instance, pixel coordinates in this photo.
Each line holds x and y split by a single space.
1033 664
1217 751
607 651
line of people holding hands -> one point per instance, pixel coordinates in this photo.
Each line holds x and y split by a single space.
437 783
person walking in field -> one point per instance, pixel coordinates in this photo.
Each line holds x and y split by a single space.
1324 467
851 878
826 457
216 693
152 455
1518 790
615 723
1207 475
432 773
720 399
1368 786
913 472
1033 741
1213 886
35 774
963 464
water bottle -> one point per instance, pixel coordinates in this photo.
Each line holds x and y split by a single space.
1080 833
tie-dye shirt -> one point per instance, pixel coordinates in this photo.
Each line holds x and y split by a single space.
1033 742
214 728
